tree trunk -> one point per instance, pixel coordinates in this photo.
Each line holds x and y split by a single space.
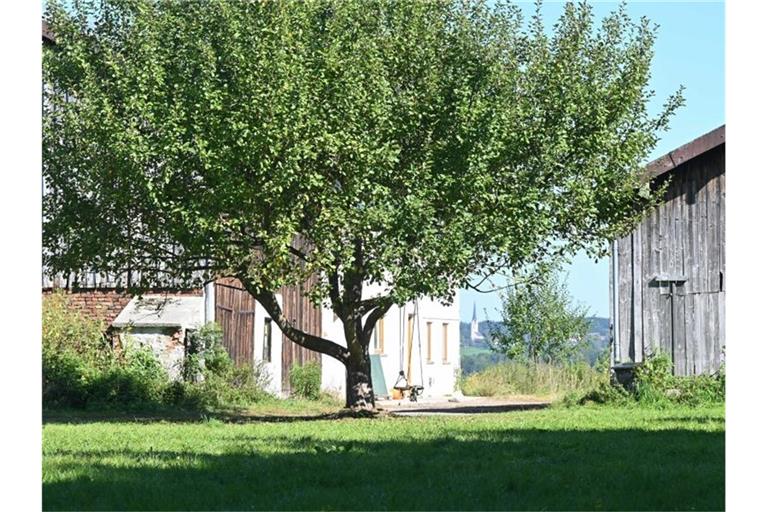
357 331
359 382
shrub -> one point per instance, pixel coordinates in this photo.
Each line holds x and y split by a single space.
206 353
67 330
516 378
81 369
306 380
135 379
213 380
656 386
74 352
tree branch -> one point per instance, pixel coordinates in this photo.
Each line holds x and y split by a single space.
335 295
376 314
268 300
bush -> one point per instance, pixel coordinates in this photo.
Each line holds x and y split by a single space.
75 353
656 386
206 353
137 378
81 369
306 380
516 378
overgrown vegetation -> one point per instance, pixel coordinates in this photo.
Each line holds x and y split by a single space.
82 369
512 378
306 380
654 385
542 334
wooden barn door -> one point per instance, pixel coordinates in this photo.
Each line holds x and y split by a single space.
235 311
300 311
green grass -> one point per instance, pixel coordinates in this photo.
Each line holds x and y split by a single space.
473 351
562 458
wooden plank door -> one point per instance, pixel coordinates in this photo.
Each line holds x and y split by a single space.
300 311
235 312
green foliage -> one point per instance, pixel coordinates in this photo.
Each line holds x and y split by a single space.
414 145
540 323
136 379
235 386
81 370
211 377
305 380
68 332
654 385
514 378
74 352
206 354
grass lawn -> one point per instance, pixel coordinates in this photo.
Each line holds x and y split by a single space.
580 458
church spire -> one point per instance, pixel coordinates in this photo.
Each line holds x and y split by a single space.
475 327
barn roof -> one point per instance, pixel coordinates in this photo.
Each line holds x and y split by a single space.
679 156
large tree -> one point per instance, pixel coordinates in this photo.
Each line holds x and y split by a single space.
417 146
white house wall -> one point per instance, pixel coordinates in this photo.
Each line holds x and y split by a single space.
274 366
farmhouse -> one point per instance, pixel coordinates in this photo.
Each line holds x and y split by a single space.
421 339
668 275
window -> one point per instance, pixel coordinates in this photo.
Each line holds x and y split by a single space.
429 342
445 343
378 337
267 355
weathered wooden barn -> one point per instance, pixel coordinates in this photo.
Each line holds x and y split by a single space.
668 276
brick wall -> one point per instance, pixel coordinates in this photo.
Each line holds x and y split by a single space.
105 304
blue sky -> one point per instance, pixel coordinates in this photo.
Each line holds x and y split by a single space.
690 51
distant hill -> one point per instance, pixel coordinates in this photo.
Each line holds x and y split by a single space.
599 337
477 355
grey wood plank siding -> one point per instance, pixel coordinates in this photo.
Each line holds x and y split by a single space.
682 239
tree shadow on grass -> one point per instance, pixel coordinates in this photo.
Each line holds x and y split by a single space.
72 416
468 409
177 416
510 469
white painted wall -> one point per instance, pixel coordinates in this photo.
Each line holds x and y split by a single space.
273 366
333 372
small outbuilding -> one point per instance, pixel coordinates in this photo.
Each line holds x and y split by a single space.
667 286
160 322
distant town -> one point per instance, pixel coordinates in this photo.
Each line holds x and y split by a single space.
476 354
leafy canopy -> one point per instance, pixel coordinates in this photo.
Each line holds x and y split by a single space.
417 145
